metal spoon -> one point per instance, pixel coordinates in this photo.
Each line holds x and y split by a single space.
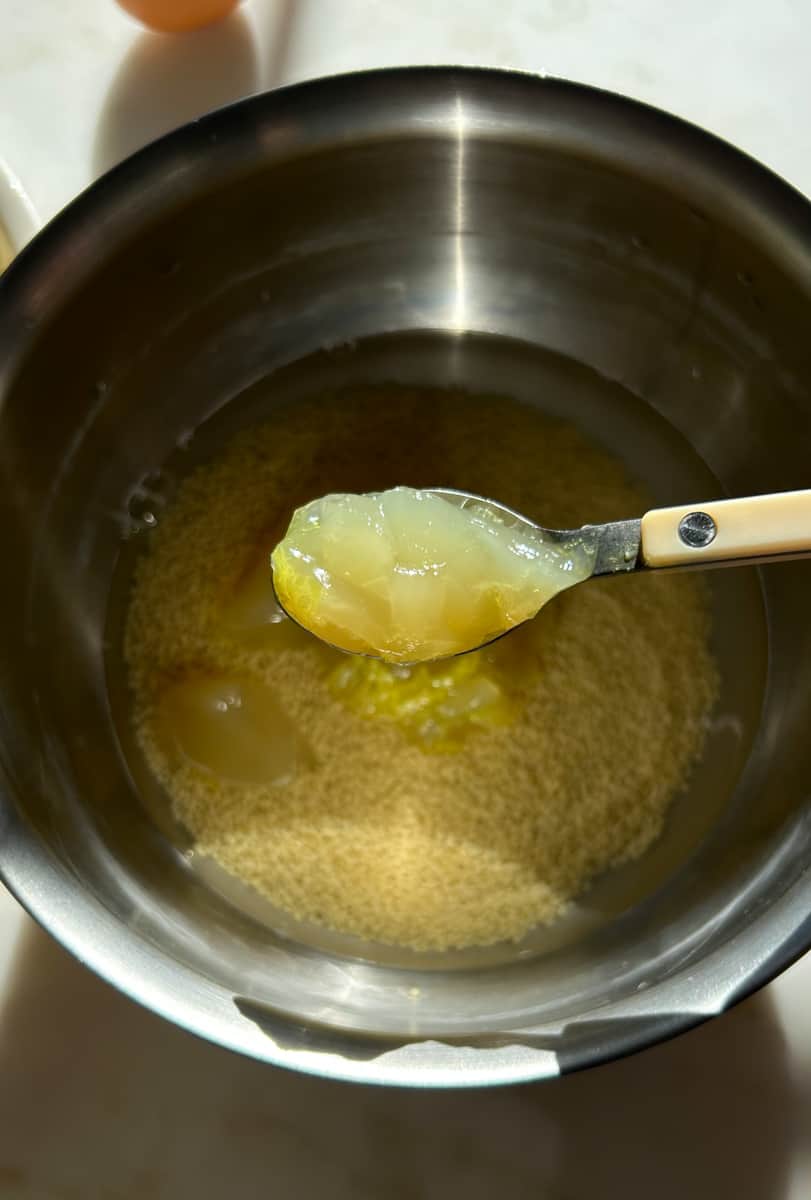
748 530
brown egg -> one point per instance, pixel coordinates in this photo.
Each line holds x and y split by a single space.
178 16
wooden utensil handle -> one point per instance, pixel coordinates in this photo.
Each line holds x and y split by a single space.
752 528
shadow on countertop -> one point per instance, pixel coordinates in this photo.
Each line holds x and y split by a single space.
165 80
101 1100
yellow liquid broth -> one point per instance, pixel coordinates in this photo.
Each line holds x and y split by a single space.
446 804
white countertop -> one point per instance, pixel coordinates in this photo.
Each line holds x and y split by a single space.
100 1100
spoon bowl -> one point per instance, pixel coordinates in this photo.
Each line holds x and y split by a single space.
416 575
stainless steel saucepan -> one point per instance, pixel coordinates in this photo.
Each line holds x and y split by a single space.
481 229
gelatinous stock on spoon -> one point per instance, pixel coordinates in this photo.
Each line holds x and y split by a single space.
411 576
